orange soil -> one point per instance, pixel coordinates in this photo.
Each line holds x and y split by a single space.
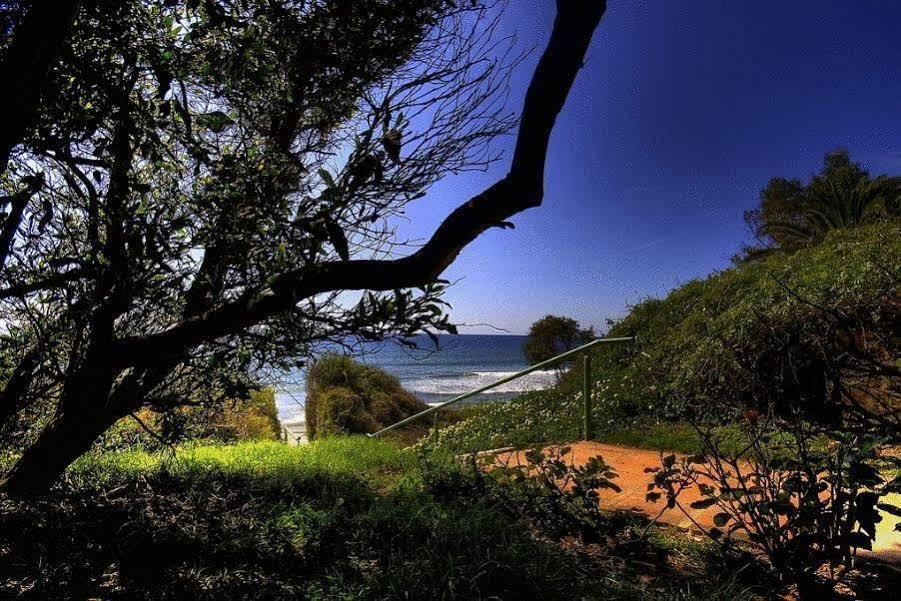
630 463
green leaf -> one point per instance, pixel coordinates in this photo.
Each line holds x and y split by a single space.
327 178
215 121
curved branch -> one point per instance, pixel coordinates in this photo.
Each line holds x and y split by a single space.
522 188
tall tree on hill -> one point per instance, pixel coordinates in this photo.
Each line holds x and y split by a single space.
217 176
793 214
552 335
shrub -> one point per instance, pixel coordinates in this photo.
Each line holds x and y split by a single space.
555 494
801 503
347 397
541 416
817 328
254 417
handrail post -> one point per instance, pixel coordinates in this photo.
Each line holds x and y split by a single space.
586 396
436 427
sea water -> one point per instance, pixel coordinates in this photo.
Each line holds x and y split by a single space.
459 364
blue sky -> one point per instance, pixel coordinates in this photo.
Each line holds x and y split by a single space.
682 113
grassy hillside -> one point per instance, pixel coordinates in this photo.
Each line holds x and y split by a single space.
718 344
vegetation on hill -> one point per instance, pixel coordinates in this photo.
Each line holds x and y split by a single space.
717 346
818 329
347 397
552 335
793 214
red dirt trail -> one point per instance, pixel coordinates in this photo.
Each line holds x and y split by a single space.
630 463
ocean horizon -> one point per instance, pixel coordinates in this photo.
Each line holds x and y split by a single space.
460 363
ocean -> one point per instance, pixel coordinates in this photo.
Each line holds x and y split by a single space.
460 364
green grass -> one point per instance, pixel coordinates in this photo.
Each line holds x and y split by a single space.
374 462
341 518
656 435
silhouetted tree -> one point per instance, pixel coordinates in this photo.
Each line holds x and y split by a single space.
552 335
793 214
212 179
31 37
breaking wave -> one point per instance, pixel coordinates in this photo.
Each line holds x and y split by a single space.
458 384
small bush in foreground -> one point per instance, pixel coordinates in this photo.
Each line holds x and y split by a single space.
802 504
558 495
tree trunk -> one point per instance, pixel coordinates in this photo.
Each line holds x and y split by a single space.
85 412
36 42
67 437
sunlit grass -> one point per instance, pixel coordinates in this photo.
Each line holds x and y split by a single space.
373 461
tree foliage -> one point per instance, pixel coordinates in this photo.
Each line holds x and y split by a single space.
552 335
793 214
209 189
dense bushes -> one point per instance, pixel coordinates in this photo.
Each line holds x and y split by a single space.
254 417
344 396
341 518
816 330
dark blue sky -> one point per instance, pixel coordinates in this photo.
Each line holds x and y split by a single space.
683 112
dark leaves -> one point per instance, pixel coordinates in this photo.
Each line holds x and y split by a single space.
338 239
703 503
888 508
391 142
857 540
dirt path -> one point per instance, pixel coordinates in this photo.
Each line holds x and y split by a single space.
630 464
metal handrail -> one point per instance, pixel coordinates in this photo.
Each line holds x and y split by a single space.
504 380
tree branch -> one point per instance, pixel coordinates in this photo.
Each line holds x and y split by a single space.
35 45
522 188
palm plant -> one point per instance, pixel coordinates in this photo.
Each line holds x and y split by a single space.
843 195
